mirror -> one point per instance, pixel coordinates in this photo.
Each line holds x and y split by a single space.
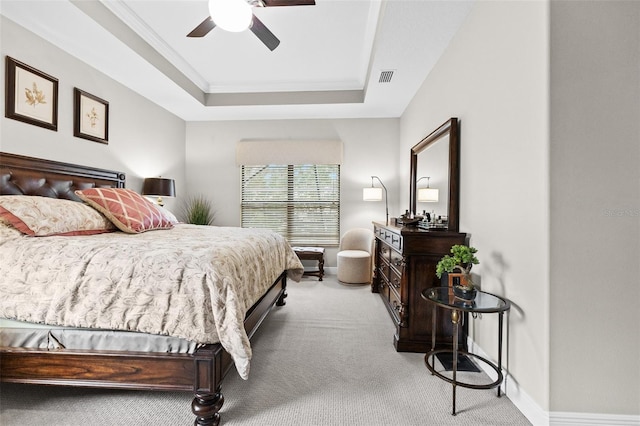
437 156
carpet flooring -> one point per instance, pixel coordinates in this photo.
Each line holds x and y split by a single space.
326 358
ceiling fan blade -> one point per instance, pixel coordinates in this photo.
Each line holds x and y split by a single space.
263 33
202 29
269 3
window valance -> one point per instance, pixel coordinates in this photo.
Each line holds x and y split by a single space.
293 152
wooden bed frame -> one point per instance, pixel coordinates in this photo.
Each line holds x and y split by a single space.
201 372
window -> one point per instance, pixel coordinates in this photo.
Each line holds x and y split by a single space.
300 202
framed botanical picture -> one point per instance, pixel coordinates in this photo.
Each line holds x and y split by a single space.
91 117
31 96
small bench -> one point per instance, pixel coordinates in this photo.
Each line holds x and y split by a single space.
312 253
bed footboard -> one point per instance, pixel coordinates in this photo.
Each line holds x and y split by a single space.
201 372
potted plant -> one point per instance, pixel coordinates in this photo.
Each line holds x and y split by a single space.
462 258
198 211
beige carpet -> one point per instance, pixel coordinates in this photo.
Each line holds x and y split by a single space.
326 358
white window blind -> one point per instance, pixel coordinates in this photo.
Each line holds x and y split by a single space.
300 202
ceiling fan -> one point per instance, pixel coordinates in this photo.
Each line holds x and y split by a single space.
236 15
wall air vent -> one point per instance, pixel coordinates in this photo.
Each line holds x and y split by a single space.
385 76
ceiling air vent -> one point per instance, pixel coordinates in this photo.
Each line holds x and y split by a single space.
385 76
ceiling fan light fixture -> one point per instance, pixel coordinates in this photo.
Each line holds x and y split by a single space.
231 15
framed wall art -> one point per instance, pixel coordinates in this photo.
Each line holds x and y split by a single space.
31 96
91 117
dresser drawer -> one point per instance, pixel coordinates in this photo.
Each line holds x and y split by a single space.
396 240
384 270
396 260
396 305
389 237
395 279
383 289
385 252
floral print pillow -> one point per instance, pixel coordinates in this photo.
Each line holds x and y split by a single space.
44 216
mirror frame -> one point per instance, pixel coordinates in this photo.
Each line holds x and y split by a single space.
448 128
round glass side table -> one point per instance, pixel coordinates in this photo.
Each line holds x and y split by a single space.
485 303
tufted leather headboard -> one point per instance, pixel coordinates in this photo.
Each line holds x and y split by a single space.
20 175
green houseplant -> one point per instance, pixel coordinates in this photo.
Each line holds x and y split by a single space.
197 210
461 260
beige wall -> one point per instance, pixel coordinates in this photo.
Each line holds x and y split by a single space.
494 78
369 148
144 139
548 99
595 207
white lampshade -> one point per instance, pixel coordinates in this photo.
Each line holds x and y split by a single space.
428 195
231 15
372 194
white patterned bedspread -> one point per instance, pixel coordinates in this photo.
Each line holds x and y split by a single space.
193 282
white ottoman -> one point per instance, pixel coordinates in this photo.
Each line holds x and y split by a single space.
354 267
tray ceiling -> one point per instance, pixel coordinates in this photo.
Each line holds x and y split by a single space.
336 59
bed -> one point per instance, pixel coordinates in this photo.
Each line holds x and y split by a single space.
192 334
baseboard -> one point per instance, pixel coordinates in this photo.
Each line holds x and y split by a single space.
539 417
523 402
592 419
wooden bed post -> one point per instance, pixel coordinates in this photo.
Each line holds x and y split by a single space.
208 373
283 295
206 407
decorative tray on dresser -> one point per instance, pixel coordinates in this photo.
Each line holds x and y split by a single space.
405 265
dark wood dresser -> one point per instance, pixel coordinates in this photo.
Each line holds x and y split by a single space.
405 265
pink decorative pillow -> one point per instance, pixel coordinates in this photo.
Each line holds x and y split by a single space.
43 216
127 209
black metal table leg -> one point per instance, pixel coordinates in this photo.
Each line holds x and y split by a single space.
500 316
455 319
433 335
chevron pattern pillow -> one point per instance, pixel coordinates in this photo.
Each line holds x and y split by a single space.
126 209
